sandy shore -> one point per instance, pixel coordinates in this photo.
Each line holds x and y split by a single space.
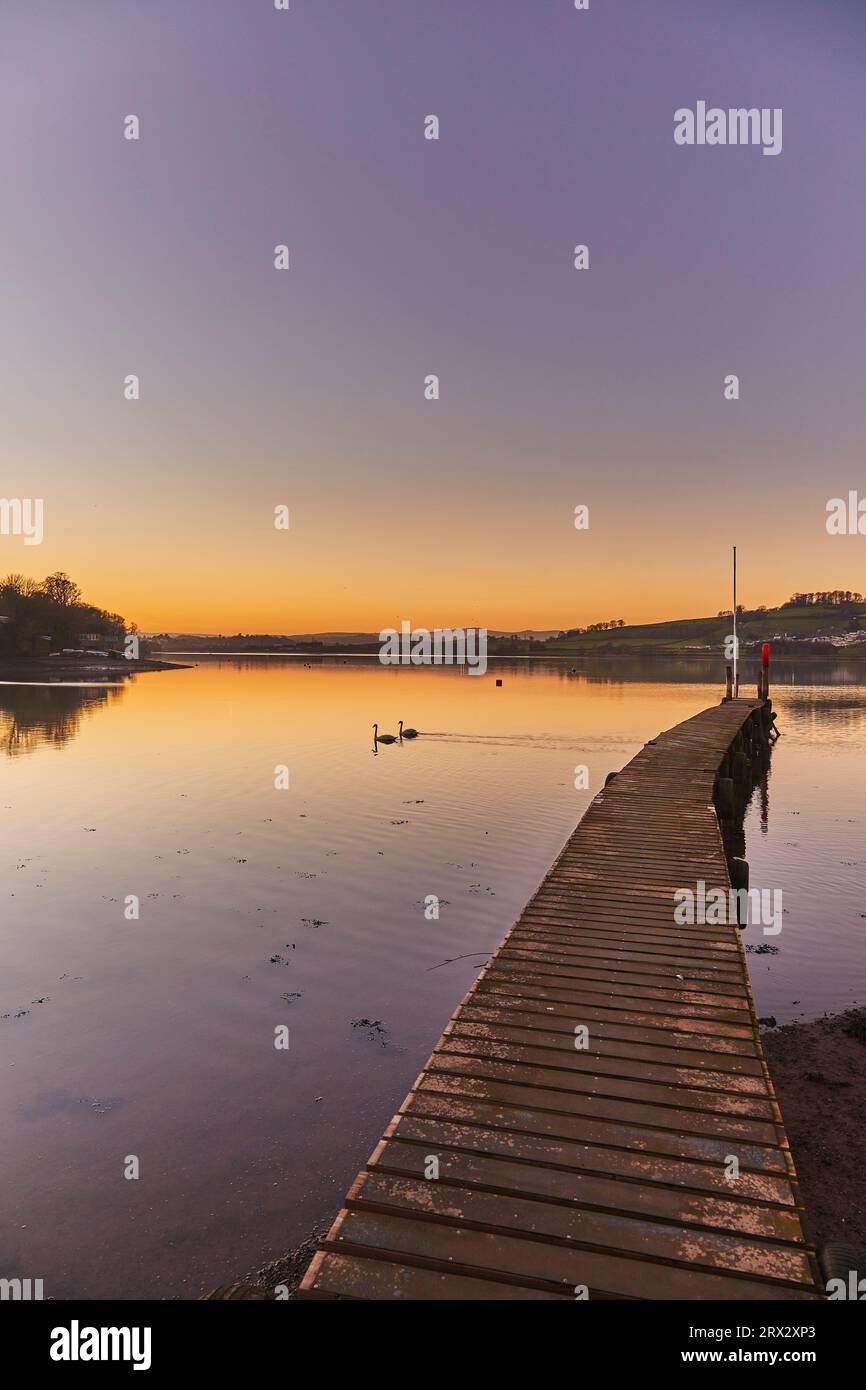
819 1072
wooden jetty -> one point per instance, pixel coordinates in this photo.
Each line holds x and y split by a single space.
521 1166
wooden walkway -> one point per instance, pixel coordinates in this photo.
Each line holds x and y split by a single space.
603 1169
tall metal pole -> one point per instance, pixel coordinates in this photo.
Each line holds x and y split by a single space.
736 680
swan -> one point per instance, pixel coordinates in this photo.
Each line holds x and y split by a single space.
407 733
382 738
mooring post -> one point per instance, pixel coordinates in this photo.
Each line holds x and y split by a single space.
767 715
765 671
729 683
725 798
738 870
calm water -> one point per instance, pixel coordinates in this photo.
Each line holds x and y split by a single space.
305 907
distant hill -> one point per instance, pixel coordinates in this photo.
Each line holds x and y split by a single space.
806 627
264 641
526 634
812 629
245 641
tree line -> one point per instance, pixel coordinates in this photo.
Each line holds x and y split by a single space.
824 598
593 627
54 607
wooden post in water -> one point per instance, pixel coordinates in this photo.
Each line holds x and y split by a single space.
765 671
729 683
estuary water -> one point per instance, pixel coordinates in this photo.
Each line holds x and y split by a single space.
166 908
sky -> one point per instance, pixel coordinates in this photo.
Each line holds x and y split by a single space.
408 257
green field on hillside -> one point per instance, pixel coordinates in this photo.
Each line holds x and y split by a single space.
695 633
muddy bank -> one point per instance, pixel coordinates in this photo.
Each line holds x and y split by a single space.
819 1072
279 1280
79 667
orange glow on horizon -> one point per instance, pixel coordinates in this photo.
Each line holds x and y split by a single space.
224 571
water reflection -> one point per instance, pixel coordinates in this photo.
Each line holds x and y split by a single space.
751 797
34 715
700 670
306 906
823 714
764 801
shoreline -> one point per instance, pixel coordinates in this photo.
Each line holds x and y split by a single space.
48 668
566 659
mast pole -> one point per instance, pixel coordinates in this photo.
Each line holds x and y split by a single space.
736 679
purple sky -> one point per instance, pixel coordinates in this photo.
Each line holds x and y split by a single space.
411 257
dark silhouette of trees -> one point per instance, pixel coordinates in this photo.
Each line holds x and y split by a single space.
61 590
605 626
54 609
824 598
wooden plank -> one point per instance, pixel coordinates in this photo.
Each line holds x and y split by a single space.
544 1264
593 1190
529 1014
731 1128
434 1135
521 1216
517 1026
622 1088
522 1165
351 1277
583 1129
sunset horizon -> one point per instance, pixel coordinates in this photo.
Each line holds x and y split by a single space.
272 618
